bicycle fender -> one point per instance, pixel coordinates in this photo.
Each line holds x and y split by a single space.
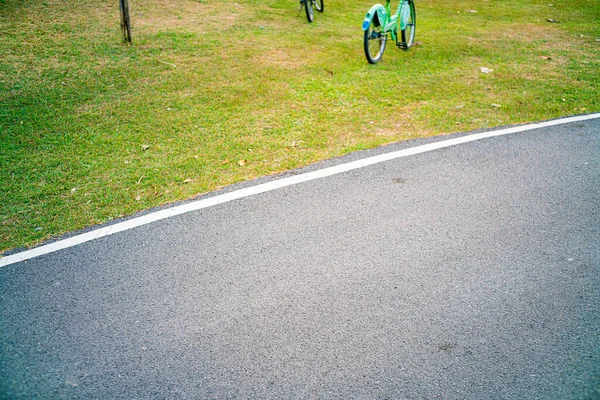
404 15
376 14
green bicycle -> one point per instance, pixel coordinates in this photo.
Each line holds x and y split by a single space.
308 7
379 24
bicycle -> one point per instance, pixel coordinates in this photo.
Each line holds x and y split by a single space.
379 24
308 7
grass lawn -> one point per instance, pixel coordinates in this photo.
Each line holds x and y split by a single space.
216 92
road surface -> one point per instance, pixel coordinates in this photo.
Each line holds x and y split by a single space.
470 271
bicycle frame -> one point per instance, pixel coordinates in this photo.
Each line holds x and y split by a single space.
384 18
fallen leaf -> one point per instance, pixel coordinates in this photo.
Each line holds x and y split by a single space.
73 190
145 147
417 43
137 198
545 58
225 161
188 180
166 63
242 163
551 20
485 70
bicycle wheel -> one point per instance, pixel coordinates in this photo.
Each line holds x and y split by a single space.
319 5
309 10
407 24
374 43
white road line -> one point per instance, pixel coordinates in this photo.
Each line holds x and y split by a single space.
273 185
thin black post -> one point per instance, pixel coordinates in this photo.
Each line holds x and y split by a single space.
125 22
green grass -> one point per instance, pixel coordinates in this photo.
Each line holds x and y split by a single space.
208 83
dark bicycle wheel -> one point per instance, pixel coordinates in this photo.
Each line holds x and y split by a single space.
309 10
319 6
374 43
407 23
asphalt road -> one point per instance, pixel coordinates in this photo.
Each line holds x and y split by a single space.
468 272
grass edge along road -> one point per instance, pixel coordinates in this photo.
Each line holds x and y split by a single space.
94 130
198 204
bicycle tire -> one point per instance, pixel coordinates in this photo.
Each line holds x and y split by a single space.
319 6
374 43
407 35
310 15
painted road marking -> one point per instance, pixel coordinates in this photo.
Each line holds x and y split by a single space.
273 185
